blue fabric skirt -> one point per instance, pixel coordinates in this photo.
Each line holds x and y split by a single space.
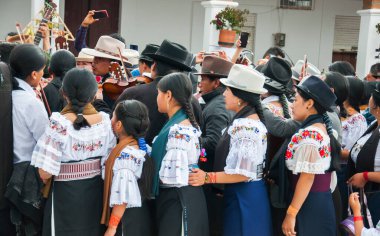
246 210
317 215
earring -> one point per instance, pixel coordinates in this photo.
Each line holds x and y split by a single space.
239 104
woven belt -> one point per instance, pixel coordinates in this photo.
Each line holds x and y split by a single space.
79 170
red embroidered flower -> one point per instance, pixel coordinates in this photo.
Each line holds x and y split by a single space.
322 152
294 139
306 133
288 154
319 137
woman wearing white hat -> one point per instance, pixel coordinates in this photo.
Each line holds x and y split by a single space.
240 156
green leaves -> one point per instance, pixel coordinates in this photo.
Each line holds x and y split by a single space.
230 19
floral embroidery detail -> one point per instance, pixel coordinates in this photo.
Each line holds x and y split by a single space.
55 125
178 135
324 150
239 128
277 111
353 120
127 156
87 147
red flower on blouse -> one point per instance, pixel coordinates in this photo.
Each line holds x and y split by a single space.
288 154
322 152
306 133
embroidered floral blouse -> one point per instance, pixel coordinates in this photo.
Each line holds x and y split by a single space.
309 151
247 148
62 143
127 170
182 154
352 129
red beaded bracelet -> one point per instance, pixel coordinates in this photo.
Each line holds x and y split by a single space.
114 221
365 175
358 218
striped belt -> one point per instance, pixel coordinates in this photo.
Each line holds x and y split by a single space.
79 170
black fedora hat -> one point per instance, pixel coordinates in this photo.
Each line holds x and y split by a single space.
149 48
278 74
214 66
173 54
318 90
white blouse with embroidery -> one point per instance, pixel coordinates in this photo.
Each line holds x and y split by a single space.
247 148
183 152
358 147
309 151
352 129
127 170
62 143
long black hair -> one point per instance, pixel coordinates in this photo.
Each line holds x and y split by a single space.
80 87
340 85
135 119
61 62
335 145
25 59
356 92
180 86
252 99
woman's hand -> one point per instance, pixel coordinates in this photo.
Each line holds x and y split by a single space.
197 177
355 203
89 19
289 225
110 231
357 180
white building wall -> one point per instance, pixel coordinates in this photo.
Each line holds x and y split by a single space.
12 11
307 32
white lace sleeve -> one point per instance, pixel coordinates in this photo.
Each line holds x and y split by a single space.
309 152
247 149
48 150
181 151
126 171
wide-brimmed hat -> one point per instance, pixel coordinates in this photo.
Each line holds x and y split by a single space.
310 69
213 66
173 54
278 75
319 91
108 47
84 57
246 79
149 49
16 38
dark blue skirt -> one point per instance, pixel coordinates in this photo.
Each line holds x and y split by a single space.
317 215
246 210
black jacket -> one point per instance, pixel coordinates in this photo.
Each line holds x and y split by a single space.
215 119
53 95
147 94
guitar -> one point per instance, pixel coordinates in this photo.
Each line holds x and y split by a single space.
61 43
49 10
118 82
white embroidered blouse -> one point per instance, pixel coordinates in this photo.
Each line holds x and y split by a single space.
309 151
127 170
62 143
182 154
352 129
247 148
358 147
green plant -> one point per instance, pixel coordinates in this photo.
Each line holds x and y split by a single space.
230 19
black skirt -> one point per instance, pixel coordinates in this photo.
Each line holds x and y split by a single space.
182 211
77 208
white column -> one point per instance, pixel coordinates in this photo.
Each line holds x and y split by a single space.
210 34
369 41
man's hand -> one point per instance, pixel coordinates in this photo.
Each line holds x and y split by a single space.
89 19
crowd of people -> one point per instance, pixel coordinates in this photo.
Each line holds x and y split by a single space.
159 148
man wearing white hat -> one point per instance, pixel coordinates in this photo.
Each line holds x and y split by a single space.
109 49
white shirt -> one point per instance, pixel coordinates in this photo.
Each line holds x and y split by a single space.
29 121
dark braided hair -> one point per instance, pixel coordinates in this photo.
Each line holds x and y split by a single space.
335 145
252 99
79 85
285 107
180 86
340 85
356 88
134 117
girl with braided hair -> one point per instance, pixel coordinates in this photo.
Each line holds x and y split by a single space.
69 153
311 156
128 171
175 151
240 157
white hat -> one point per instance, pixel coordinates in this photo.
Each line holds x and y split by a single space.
310 70
84 57
246 79
108 47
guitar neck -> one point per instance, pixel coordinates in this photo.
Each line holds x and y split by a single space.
38 36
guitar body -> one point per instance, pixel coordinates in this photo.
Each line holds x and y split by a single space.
61 43
117 83
143 80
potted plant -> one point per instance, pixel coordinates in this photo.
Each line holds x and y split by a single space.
229 21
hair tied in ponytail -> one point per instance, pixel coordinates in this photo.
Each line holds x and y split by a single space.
80 122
